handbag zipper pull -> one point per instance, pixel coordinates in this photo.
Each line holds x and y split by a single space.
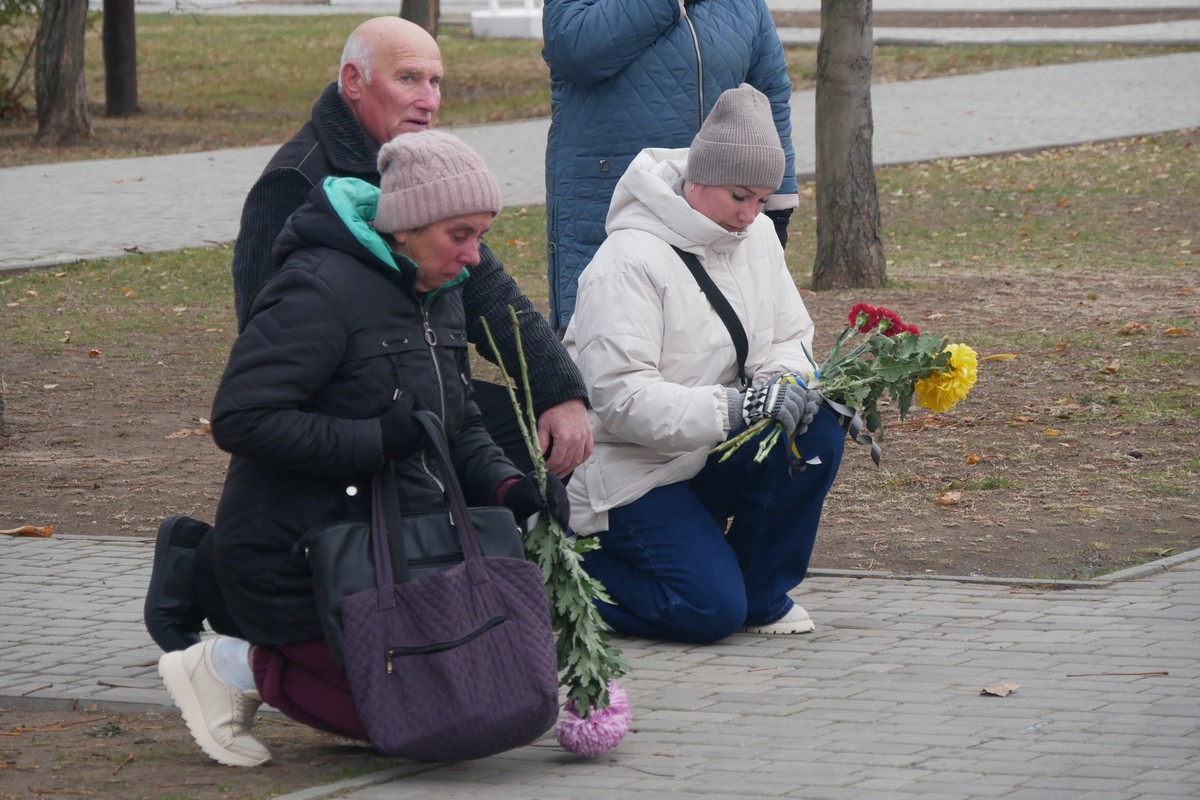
388 659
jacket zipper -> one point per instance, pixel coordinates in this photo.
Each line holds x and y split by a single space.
699 73
431 341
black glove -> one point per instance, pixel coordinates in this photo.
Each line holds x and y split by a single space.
524 499
784 399
780 217
402 434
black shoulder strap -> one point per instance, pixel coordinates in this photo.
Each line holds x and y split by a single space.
723 309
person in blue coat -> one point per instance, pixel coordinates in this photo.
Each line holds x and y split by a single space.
631 74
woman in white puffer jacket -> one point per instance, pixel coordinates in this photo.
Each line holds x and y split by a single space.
692 549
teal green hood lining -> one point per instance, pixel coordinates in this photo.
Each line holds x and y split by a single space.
355 202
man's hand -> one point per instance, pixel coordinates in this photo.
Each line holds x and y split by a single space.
564 432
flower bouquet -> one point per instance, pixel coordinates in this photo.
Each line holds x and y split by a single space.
877 354
597 711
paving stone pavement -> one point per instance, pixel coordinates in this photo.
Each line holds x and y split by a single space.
882 701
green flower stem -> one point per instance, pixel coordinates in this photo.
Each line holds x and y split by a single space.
587 658
729 445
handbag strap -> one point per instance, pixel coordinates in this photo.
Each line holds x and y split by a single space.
385 513
384 482
721 305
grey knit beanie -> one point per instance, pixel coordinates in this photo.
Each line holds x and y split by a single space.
430 176
738 144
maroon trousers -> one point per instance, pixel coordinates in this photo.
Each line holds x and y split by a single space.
303 682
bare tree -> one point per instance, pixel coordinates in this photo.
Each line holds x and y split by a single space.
423 12
62 111
849 247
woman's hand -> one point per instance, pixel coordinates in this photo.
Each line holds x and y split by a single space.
524 498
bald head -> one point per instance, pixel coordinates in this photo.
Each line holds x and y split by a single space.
390 77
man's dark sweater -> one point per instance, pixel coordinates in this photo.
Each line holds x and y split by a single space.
334 143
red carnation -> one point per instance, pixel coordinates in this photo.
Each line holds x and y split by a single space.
863 318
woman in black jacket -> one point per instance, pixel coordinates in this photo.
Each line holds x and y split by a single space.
362 325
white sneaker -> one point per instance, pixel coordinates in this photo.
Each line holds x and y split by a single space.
218 715
794 621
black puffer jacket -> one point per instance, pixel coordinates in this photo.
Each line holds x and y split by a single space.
330 340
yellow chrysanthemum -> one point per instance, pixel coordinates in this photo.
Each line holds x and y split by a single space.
941 390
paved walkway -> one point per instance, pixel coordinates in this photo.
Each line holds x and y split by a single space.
883 701
194 199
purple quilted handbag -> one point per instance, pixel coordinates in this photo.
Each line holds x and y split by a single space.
456 665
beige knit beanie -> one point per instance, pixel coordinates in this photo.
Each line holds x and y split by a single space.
428 177
738 144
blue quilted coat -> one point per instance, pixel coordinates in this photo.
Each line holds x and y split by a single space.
629 74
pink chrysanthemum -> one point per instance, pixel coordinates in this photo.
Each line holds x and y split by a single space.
601 731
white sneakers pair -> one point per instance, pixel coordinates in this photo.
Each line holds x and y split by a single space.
218 715
794 621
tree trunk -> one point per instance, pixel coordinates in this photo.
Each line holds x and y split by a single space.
423 12
849 248
120 59
62 110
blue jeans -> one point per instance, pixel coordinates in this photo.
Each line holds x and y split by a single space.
675 572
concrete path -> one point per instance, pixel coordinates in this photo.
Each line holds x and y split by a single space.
193 199
882 701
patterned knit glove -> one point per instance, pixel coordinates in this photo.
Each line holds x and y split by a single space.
785 399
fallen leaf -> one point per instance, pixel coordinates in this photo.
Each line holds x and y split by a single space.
1112 367
974 458
1130 328
184 432
1000 357
1023 419
1189 290
31 293
1001 689
94 353
1063 202
30 530
49 385
1175 332
1052 432
949 498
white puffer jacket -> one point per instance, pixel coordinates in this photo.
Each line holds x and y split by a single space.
654 354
